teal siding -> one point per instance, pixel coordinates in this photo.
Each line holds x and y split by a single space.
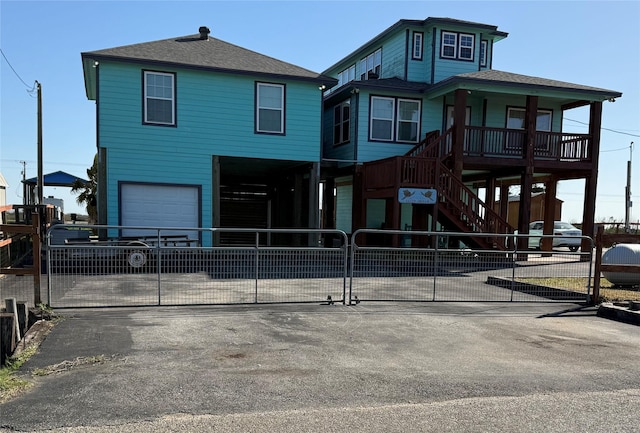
420 70
215 116
445 68
343 151
497 107
344 195
393 56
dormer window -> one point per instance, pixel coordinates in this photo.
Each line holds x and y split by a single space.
458 46
372 63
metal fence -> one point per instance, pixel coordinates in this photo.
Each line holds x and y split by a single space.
94 266
451 271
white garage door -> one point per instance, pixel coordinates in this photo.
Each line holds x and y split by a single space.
144 205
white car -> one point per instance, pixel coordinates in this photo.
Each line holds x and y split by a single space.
565 235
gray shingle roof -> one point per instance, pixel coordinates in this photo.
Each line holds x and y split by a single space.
492 76
211 53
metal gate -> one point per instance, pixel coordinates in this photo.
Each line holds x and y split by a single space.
94 266
439 266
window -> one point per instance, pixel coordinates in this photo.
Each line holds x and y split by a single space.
381 124
417 45
347 75
483 53
465 51
394 119
270 108
408 120
459 46
159 98
516 119
449 43
371 64
341 117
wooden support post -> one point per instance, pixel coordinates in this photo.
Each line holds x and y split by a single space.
588 216
459 116
7 336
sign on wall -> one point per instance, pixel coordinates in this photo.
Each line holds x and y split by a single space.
417 195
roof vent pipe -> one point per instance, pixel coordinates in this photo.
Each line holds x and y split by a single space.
204 33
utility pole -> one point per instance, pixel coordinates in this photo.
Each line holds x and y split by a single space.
24 185
627 192
40 174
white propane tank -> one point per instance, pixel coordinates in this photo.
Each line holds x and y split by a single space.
622 254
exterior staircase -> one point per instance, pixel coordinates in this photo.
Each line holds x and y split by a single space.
425 166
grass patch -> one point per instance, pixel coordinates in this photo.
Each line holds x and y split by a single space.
608 292
10 384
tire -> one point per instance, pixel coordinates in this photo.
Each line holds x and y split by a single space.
139 257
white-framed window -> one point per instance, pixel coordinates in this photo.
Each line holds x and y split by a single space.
458 46
516 116
372 63
159 98
449 45
347 75
483 52
416 54
270 108
394 119
408 120
341 122
381 120
516 119
466 46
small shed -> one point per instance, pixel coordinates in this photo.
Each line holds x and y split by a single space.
537 208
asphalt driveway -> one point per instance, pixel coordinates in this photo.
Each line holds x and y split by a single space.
375 367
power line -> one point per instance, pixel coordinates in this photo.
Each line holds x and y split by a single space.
30 90
605 129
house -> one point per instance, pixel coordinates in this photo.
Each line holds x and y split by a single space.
537 213
194 131
418 109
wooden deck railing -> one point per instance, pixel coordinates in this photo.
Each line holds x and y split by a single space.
401 171
500 142
423 167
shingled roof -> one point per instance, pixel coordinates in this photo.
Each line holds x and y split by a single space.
206 53
492 76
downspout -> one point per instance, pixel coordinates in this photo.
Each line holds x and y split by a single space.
433 56
406 55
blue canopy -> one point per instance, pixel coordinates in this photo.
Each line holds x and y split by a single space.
59 178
